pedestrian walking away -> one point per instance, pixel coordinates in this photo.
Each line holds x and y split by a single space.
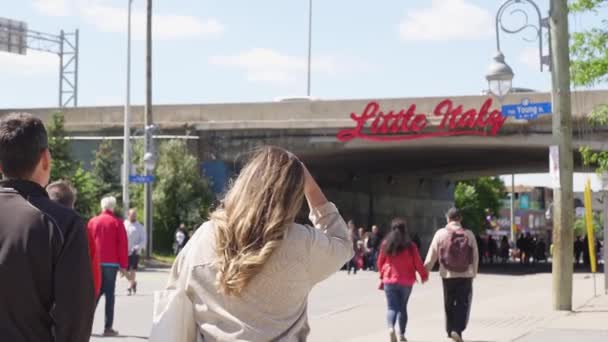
354 236
63 193
250 269
136 238
181 238
398 263
111 242
373 244
46 287
456 250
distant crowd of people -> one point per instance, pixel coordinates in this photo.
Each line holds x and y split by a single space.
526 250
366 245
529 249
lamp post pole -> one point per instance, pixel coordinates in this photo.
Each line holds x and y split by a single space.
148 125
559 62
512 221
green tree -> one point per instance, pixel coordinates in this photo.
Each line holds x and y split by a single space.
87 201
106 171
580 225
590 67
63 166
181 194
66 168
473 197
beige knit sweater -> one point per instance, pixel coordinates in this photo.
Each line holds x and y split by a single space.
273 307
433 254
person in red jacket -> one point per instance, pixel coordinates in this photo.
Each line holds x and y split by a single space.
111 242
398 263
63 193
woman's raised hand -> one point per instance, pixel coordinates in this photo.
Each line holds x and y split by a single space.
312 191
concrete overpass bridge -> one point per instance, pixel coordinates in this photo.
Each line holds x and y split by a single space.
377 158
311 128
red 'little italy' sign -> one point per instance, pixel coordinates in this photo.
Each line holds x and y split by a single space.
406 124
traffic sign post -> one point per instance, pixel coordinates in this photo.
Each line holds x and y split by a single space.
527 110
141 179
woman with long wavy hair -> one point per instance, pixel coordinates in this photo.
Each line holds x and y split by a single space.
398 263
249 269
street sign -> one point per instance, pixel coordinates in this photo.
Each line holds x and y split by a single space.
527 110
13 36
141 179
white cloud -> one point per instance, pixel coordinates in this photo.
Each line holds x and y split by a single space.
447 20
267 65
263 65
52 7
34 63
530 58
164 26
111 18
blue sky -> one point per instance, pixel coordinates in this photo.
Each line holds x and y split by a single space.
241 50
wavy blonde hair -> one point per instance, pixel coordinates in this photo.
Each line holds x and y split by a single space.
254 215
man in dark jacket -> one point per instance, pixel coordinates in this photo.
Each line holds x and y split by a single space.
373 244
46 292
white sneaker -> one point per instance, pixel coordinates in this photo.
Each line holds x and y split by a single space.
393 336
456 337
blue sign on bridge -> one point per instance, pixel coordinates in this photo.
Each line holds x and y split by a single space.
141 179
527 110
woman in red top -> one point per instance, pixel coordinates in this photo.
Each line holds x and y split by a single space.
398 263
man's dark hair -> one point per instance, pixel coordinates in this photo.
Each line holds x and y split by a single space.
62 192
454 214
22 140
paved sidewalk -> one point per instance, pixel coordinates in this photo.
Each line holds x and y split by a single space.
588 323
505 308
352 309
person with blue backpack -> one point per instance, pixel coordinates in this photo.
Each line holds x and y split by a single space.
456 250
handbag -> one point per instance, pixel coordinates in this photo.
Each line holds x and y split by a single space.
173 317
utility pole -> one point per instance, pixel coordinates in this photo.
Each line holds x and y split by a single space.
309 47
562 137
127 117
149 132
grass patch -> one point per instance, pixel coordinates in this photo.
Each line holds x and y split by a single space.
165 258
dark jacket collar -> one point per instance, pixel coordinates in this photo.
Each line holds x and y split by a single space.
24 187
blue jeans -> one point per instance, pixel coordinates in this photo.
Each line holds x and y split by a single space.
108 289
397 297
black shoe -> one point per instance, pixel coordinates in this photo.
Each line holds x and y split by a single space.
109 332
134 287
